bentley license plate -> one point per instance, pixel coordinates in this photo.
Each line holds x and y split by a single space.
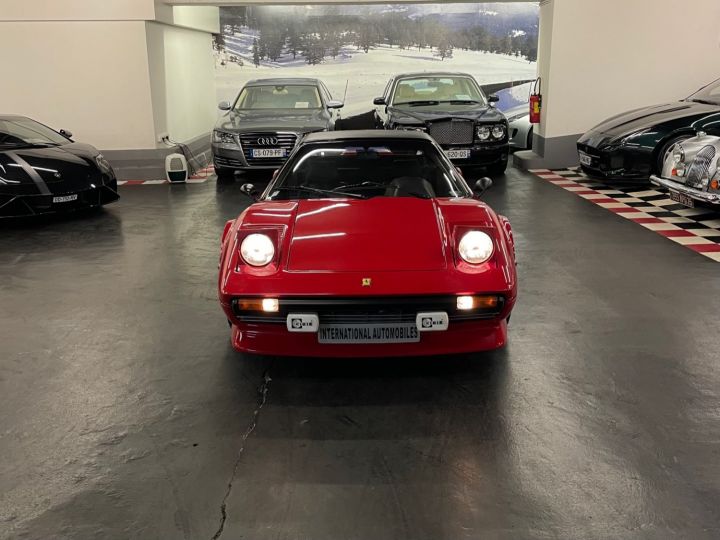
268 152
65 198
369 333
585 159
682 199
458 154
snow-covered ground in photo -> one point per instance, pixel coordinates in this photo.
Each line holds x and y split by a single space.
366 73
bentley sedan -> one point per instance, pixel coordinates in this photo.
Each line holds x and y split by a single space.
44 171
634 145
268 117
367 244
452 109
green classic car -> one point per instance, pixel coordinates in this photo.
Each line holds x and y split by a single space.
633 145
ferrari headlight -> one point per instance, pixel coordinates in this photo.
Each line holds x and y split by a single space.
257 249
483 133
476 247
103 164
498 131
223 137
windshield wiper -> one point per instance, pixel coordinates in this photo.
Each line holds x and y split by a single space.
319 191
366 184
418 102
461 101
705 101
27 145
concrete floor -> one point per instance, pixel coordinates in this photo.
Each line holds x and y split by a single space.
125 411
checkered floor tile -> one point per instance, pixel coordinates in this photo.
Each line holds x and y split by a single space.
695 228
198 178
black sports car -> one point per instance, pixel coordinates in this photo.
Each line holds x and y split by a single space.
44 171
453 110
633 145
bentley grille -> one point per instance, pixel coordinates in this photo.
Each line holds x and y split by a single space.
267 141
700 168
452 131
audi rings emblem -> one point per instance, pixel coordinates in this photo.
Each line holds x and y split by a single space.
267 141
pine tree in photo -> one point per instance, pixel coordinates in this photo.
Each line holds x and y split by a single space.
256 53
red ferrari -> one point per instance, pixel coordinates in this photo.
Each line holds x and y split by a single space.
367 244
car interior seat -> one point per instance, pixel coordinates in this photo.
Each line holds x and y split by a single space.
406 185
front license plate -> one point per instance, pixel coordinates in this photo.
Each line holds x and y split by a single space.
458 154
682 199
369 333
65 198
585 159
268 152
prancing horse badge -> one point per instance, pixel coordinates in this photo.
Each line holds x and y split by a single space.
366 282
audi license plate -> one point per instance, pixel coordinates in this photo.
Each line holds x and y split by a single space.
458 154
268 152
682 199
369 333
585 159
65 198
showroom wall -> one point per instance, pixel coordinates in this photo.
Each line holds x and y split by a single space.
598 58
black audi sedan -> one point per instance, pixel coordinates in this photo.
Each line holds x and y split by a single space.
268 117
453 110
633 145
44 171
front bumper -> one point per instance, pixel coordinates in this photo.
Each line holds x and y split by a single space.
227 159
480 155
695 194
15 206
615 161
461 337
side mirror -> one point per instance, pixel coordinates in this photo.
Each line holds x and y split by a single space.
249 190
65 133
224 106
493 98
482 185
379 101
334 104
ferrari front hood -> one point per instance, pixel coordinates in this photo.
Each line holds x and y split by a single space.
377 234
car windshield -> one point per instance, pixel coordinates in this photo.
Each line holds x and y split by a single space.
420 91
367 168
708 94
25 132
291 96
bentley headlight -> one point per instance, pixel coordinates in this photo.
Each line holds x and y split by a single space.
476 247
498 131
483 133
223 137
257 249
103 164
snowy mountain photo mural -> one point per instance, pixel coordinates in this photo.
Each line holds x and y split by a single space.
362 46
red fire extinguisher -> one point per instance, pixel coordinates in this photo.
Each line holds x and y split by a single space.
535 102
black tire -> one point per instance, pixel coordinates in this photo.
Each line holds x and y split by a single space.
664 149
529 139
224 174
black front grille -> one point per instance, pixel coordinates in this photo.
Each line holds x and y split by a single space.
367 310
452 131
700 168
265 140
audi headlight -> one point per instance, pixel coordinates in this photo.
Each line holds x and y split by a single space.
223 137
483 133
257 249
103 164
475 247
498 131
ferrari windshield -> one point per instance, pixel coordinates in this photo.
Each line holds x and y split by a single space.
436 90
368 168
291 96
19 131
708 94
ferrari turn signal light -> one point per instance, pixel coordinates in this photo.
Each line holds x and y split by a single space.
269 305
465 303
